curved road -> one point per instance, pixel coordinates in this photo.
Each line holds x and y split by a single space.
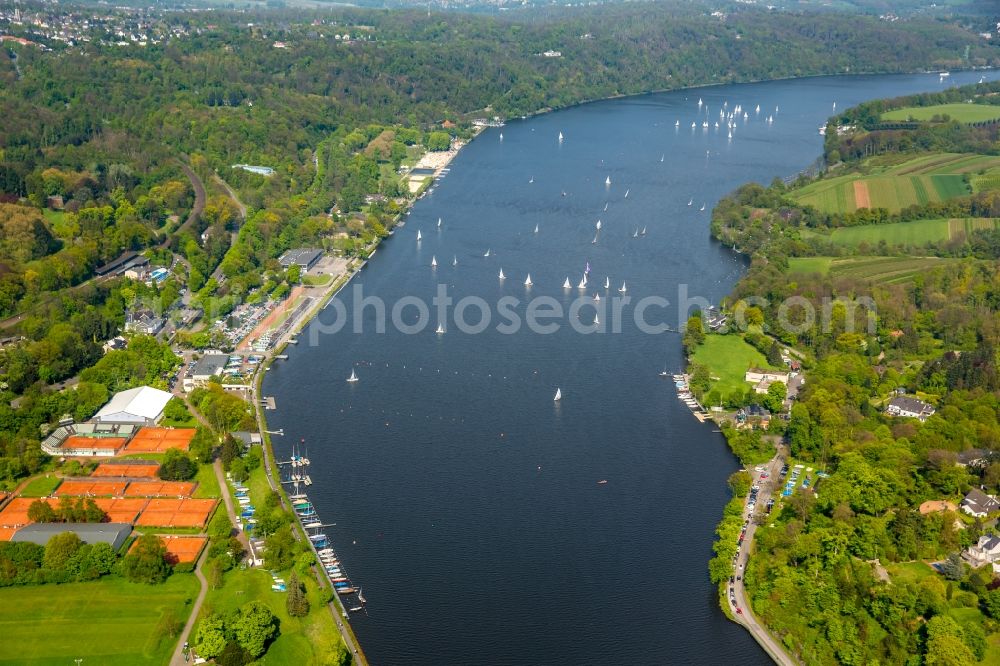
746 618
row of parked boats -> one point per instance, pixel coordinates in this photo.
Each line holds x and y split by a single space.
328 558
684 393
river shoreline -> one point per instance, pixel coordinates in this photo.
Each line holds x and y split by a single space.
338 285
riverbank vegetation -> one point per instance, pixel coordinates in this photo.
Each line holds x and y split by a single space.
842 569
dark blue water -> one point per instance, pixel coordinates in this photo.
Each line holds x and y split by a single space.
466 500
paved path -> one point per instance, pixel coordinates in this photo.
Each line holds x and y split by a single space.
227 499
760 634
178 658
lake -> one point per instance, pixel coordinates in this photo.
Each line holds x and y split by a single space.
469 505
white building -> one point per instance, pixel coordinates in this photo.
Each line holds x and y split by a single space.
986 551
143 405
909 407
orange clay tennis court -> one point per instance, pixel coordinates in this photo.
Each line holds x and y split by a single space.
181 548
160 489
121 510
154 440
176 512
143 471
15 514
91 488
76 442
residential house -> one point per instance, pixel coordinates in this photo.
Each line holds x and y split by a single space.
115 344
979 504
986 551
905 406
143 321
974 458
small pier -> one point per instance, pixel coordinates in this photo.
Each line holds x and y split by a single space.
282 357
268 402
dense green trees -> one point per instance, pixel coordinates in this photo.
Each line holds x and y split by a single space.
146 562
177 466
251 628
62 560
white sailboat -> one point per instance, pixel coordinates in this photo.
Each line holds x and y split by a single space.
757 110
700 102
419 237
454 261
560 136
643 232
677 123
502 276
626 193
440 329
531 180
690 201
607 283
487 253
598 225
607 181
536 228
623 289
501 136
636 234
597 320
558 395
439 223
661 157
693 125
605 207
597 297
434 262
583 282
527 281
567 285
594 242
702 207
353 377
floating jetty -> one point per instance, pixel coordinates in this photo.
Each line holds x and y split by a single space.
326 557
684 395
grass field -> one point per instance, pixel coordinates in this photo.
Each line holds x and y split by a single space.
728 357
110 621
41 486
307 640
888 270
917 233
208 483
963 113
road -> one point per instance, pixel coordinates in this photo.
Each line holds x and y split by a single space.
199 200
217 273
760 634
178 658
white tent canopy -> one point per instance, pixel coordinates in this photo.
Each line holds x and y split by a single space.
139 405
